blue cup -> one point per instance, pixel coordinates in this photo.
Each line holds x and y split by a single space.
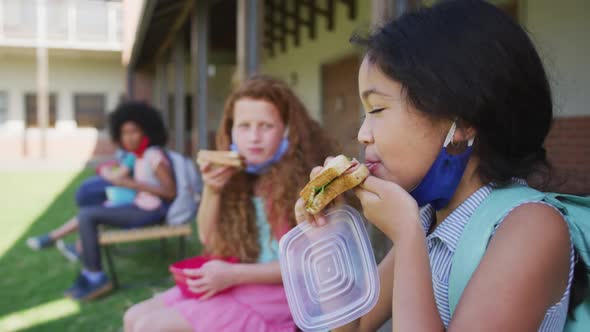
120 195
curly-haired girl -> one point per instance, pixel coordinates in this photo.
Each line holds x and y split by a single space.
138 128
243 214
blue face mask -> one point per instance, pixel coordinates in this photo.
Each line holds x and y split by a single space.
443 177
259 169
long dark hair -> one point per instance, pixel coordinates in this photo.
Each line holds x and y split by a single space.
468 60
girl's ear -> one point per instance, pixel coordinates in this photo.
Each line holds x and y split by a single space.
464 134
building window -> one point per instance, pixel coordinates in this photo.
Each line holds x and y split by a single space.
31 110
90 110
3 107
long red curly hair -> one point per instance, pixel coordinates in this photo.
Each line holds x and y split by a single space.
236 233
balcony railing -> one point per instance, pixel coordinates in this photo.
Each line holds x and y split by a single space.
78 24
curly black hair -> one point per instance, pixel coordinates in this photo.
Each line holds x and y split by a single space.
144 115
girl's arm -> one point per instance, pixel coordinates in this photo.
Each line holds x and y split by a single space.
382 310
208 212
217 275
166 190
524 272
414 306
269 273
214 180
110 173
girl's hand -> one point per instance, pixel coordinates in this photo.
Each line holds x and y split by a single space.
216 178
213 277
106 173
301 215
389 207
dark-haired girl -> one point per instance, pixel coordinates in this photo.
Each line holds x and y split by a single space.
457 105
138 128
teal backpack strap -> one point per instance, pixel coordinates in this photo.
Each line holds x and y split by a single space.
478 231
576 210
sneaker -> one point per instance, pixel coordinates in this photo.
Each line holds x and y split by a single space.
40 242
81 281
68 250
85 290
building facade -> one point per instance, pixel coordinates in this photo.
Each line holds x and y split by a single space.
306 44
70 52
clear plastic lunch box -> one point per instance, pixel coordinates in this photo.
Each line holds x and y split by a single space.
329 272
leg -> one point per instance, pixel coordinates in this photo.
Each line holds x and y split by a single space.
141 309
181 247
69 227
92 191
92 282
120 216
163 320
49 239
163 247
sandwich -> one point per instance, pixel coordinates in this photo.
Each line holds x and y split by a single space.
339 175
221 158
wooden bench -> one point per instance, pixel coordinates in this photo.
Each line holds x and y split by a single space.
110 237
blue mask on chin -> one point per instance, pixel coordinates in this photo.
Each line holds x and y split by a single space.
443 177
259 169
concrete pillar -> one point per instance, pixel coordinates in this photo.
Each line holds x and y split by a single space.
179 94
162 90
130 82
249 32
199 60
66 118
42 76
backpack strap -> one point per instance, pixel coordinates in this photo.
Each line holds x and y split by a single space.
576 210
478 231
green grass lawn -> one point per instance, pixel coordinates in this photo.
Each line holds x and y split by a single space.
32 283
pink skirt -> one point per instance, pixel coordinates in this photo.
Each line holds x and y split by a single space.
259 308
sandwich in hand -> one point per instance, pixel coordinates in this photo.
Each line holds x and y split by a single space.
221 158
339 175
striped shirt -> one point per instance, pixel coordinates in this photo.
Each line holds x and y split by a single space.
441 246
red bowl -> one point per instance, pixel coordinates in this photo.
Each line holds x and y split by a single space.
193 263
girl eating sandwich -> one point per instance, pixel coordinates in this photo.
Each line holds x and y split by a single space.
457 107
243 214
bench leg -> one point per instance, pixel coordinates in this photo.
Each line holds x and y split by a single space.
163 247
111 266
181 247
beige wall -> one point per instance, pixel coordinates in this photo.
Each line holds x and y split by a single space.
219 87
70 72
560 31
132 10
306 60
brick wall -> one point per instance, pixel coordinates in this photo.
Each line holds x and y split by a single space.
568 149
